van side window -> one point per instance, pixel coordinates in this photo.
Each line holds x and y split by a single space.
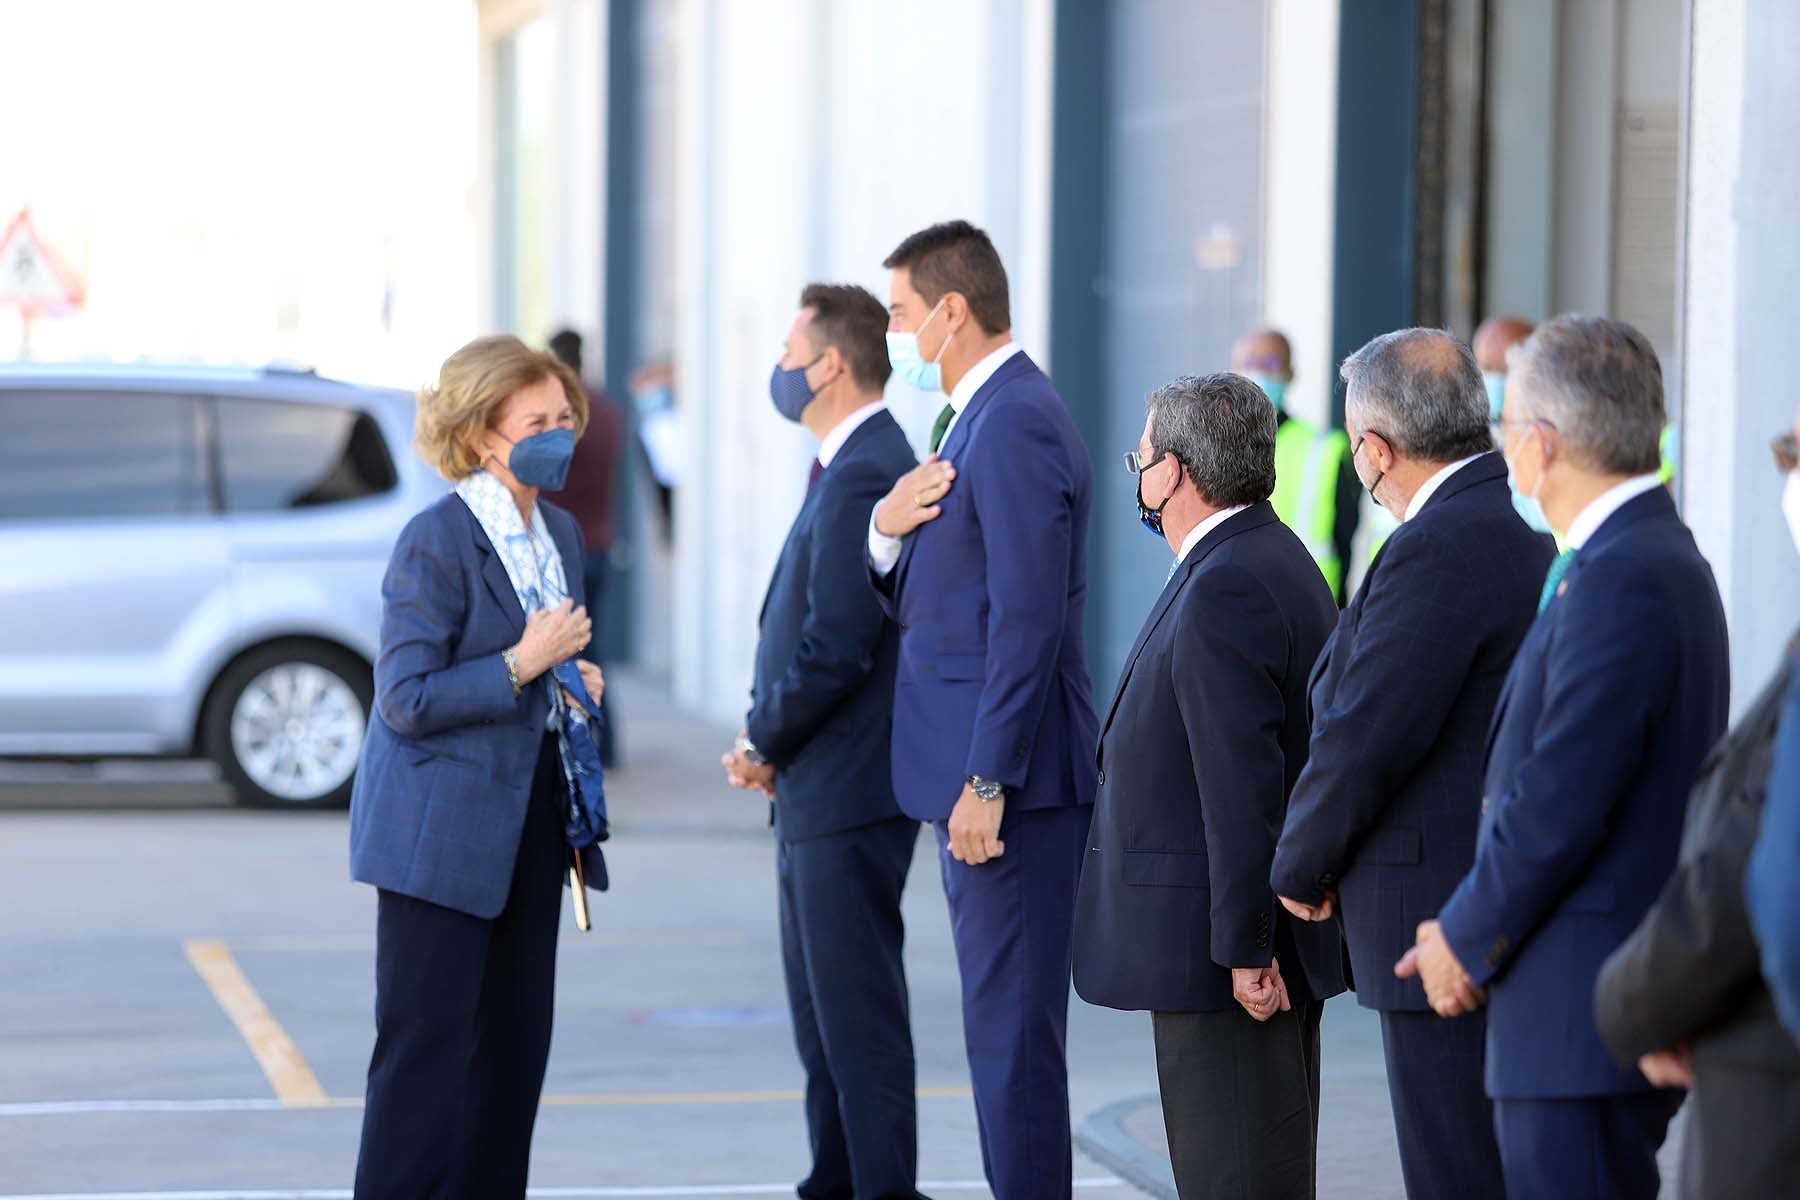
87 453
275 455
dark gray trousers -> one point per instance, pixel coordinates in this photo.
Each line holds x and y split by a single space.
1240 1101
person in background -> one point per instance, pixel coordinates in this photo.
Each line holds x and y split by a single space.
1618 692
980 555
1381 826
592 496
1494 339
1316 493
477 749
1774 887
1683 1000
818 739
1206 735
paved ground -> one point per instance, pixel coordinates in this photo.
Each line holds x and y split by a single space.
137 940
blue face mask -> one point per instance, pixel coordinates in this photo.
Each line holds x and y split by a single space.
790 391
1272 386
1151 518
909 364
542 460
1495 381
1527 506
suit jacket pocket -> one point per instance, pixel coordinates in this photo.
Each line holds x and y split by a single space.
1394 846
1167 868
418 758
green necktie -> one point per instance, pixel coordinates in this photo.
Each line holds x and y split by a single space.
942 423
1559 566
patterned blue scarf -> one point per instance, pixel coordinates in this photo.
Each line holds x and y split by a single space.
535 568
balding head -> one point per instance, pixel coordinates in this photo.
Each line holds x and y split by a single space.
1494 337
1263 352
1419 390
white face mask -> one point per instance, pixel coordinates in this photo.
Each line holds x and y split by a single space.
1790 506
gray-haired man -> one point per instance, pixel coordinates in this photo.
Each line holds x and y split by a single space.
1382 824
1205 737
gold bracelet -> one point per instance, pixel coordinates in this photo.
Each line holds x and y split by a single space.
511 659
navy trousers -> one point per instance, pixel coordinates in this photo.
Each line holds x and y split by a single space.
462 1027
841 938
1591 1148
1443 1118
1013 922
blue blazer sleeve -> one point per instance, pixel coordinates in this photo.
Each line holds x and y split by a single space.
843 625
1024 492
1408 662
1606 680
1230 650
419 689
1774 875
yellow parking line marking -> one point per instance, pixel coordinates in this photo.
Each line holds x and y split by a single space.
275 1052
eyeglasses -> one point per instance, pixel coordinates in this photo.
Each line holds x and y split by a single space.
1787 453
1136 464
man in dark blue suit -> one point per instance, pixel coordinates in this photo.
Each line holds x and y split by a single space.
817 740
1614 699
993 714
1381 826
1205 737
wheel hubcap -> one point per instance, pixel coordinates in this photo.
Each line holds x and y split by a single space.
297 730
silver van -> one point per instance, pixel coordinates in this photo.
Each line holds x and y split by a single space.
191 563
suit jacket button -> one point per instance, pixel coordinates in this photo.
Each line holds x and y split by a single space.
1103 777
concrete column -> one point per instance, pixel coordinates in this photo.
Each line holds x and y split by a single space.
1740 358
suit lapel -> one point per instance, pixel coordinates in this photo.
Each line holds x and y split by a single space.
960 435
493 571
1254 517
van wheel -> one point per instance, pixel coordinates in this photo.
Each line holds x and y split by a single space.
285 723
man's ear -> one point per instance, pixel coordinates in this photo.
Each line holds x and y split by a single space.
956 310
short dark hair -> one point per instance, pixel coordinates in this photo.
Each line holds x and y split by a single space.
954 256
1222 429
853 320
1421 390
566 345
1598 381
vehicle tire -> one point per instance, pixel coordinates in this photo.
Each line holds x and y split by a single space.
285 722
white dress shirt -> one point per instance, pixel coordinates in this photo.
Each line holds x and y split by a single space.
1429 488
840 433
884 551
1198 532
1605 505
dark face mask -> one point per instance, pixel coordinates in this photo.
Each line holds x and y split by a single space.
1152 518
1378 478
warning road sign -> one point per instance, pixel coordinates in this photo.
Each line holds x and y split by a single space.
31 275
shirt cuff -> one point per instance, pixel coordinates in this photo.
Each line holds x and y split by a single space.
884 551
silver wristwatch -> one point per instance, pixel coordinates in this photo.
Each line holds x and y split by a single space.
985 789
752 755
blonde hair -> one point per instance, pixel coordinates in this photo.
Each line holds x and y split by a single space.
472 386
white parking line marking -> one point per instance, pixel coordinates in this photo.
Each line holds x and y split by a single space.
696 1192
77 1108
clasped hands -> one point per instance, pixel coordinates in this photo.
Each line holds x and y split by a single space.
1448 988
741 773
1260 990
553 636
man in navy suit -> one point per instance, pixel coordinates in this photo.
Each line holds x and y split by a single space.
1382 824
984 565
817 739
1205 737
1614 699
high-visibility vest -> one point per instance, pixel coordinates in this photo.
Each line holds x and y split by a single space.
1670 447
1307 467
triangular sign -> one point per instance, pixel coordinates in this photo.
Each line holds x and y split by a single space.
31 276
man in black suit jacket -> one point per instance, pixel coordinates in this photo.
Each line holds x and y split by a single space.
817 740
1381 827
1206 735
